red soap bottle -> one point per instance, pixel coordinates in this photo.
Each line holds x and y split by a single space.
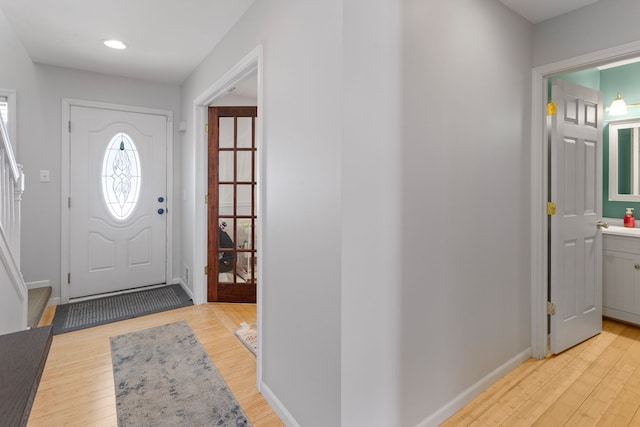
629 220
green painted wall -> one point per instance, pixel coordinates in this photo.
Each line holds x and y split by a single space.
587 78
626 80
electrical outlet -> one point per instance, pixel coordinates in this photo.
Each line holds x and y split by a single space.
45 176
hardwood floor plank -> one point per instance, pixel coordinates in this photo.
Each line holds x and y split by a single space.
594 383
77 386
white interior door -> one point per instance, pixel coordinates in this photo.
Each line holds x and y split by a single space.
118 226
576 189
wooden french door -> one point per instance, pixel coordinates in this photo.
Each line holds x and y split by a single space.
231 254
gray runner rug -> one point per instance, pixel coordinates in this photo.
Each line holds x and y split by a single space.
163 377
84 314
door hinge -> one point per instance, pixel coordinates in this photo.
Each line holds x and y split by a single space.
69 202
206 199
68 278
69 123
551 108
206 270
551 208
206 128
551 308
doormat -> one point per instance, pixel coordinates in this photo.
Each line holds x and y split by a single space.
248 335
85 314
164 377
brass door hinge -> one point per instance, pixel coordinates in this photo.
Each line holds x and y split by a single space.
68 278
206 270
206 199
551 208
551 308
206 128
551 108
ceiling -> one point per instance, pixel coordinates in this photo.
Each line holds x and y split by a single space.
166 39
536 11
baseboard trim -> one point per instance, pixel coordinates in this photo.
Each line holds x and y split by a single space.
472 392
277 406
38 284
185 288
54 301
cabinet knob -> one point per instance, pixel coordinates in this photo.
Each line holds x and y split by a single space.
637 267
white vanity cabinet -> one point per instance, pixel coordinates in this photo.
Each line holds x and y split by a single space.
621 275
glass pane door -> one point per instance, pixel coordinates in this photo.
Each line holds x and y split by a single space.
232 256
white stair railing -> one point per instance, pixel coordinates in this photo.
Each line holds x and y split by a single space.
13 290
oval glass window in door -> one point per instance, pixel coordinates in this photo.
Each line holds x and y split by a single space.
121 176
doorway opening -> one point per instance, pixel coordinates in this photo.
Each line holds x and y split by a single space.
540 238
250 65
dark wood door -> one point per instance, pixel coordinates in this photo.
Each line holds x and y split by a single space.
232 255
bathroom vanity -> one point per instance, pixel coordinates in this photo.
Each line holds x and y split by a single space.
621 273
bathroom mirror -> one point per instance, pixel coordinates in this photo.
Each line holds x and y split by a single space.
624 160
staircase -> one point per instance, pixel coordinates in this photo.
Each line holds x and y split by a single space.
38 299
13 291
23 352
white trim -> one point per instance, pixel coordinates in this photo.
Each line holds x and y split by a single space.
614 126
65 256
539 170
38 284
185 288
53 301
12 124
472 392
7 259
251 62
277 406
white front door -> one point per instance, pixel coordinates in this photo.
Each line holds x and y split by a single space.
118 226
576 189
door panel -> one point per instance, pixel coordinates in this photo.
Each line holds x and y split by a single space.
576 242
232 255
117 189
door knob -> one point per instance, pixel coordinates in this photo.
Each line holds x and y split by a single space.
601 224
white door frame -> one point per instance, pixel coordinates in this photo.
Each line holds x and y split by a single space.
251 62
65 247
539 180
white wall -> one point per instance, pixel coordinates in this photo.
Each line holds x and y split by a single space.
16 73
40 89
39 145
602 25
371 206
465 198
397 200
302 227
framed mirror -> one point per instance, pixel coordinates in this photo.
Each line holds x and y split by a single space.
624 160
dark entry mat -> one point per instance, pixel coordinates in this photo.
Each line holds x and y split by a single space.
85 314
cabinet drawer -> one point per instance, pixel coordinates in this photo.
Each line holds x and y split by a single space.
621 244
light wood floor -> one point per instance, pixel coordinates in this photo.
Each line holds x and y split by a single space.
77 386
596 383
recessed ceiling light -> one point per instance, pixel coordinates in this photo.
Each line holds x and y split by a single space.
115 44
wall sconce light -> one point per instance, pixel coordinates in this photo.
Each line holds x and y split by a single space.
619 107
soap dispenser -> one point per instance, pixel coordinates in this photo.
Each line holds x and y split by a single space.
629 220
